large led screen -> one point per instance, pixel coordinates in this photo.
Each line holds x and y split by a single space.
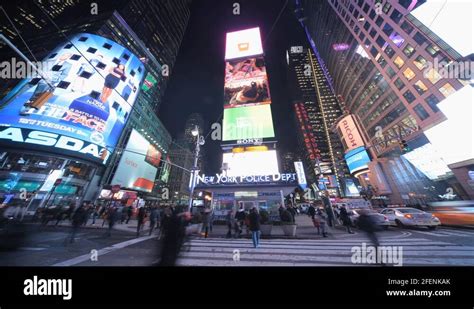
357 159
246 83
248 122
95 83
138 165
243 43
251 163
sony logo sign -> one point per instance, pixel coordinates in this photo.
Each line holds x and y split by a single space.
54 140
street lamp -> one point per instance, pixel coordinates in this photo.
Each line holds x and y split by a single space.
199 142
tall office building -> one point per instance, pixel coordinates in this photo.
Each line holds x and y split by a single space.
149 33
382 58
178 182
316 111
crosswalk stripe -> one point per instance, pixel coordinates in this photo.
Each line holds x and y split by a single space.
446 233
315 252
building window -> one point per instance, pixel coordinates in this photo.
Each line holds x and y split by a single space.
372 14
362 36
421 112
447 89
409 96
399 62
390 72
399 84
420 62
419 38
380 41
406 27
409 74
408 50
420 87
366 8
389 51
387 29
432 101
432 49
379 21
432 75
396 16
374 51
373 33
382 61
387 8
366 25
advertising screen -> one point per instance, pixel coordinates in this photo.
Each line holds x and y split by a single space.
246 83
138 165
300 174
243 43
427 160
82 108
165 170
349 134
248 122
357 159
251 163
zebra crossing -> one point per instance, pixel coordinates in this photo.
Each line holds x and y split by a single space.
317 252
447 233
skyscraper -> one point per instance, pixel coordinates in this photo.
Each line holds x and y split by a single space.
316 111
381 58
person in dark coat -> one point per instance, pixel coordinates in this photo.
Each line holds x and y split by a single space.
77 220
111 218
141 219
367 224
154 218
254 226
129 213
346 221
173 235
311 212
206 221
240 217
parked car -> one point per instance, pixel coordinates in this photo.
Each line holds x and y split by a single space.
407 216
379 219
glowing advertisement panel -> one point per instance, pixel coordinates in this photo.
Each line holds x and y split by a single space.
138 165
96 82
300 174
251 163
427 160
243 43
357 159
349 134
165 170
246 83
248 122
453 138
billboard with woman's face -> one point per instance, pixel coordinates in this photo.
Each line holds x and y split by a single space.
92 83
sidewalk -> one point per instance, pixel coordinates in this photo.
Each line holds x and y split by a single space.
305 229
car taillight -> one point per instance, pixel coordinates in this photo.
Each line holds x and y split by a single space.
385 218
408 216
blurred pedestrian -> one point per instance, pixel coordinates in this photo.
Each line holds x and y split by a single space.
367 224
254 226
111 218
154 217
206 219
77 220
230 223
140 219
346 220
240 217
311 211
172 238
321 217
129 213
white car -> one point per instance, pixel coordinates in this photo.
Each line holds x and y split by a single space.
406 216
380 220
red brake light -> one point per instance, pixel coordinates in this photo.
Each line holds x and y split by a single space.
408 216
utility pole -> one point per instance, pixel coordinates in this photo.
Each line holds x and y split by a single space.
199 143
325 198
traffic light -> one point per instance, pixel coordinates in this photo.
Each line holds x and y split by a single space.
404 146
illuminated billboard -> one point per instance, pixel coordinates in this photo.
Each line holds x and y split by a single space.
244 43
349 134
428 161
251 163
165 170
248 122
246 83
357 159
95 83
138 165
300 174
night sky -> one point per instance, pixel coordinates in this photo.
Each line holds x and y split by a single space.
196 83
